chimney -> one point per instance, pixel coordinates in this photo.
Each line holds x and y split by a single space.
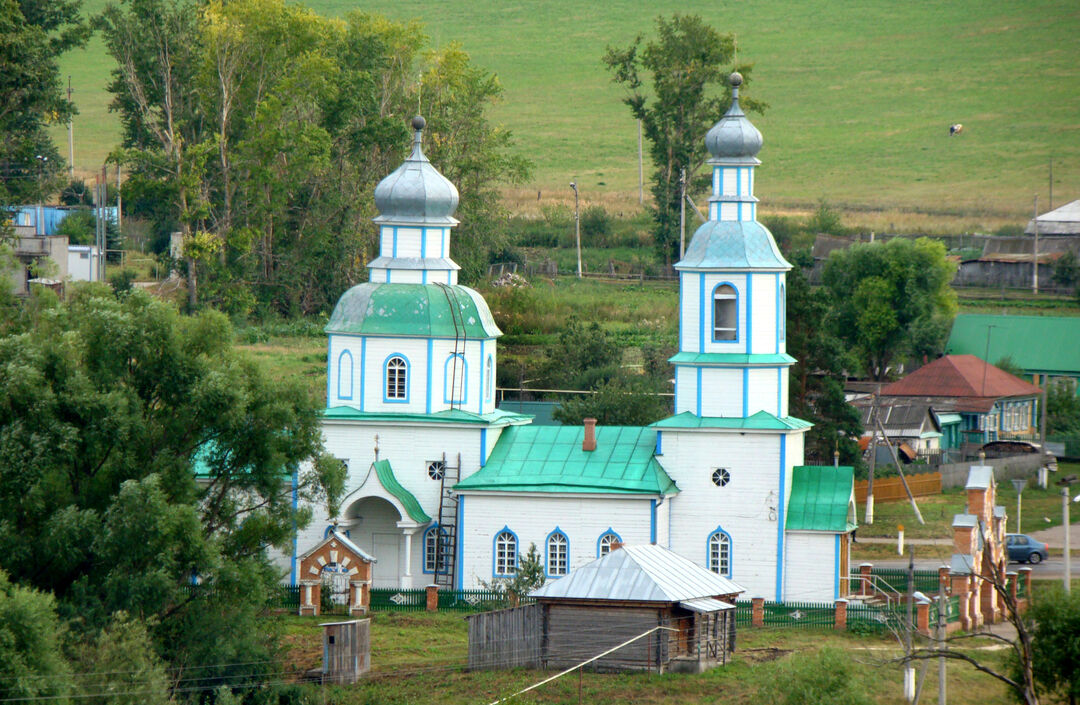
589 442
616 545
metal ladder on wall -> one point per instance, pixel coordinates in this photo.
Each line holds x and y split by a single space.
461 337
446 545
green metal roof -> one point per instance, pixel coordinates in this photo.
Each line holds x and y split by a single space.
550 459
391 484
733 244
421 310
691 358
761 421
448 416
1035 343
821 498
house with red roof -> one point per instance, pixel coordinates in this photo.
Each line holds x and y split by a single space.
991 403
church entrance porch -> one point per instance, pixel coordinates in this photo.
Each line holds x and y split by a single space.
376 525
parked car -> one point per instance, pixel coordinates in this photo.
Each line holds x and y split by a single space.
1024 549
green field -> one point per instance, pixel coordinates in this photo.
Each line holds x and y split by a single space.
860 96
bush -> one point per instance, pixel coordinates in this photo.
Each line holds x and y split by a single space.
122 280
596 226
828 677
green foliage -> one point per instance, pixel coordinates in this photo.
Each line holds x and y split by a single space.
685 67
825 220
595 226
1062 407
529 576
31 644
827 677
625 400
121 281
1067 270
1007 364
126 667
891 301
583 356
1056 643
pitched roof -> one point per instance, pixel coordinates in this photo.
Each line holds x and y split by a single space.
446 416
821 498
1065 219
1058 340
761 421
390 483
550 459
960 376
645 573
333 534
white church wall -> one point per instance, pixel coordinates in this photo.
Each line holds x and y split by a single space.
810 573
688 311
763 328
721 391
764 391
533 518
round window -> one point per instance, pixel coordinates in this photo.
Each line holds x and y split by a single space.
436 469
721 477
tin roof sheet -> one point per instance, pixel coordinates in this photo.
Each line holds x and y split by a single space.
1058 340
960 376
822 498
705 605
761 421
980 477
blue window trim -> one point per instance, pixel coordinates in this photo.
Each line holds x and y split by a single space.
408 381
329 362
363 372
460 542
483 447
423 244
424 561
731 550
606 532
489 378
394 255
652 521
782 306
712 314
427 391
659 442
547 553
341 387
447 381
495 553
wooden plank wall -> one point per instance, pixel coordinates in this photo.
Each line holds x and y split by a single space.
346 651
576 633
507 638
891 489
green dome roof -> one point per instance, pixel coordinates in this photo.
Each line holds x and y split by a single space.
733 244
419 310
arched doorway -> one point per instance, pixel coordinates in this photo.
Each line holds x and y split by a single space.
372 524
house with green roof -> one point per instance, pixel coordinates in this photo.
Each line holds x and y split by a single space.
1044 347
444 487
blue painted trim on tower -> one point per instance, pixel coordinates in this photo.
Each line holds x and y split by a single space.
780 522
483 373
779 390
730 547
442 243
746 392
449 381
483 447
329 360
394 255
363 370
776 326
408 378
659 443
836 569
495 553
699 392
295 539
387 276
749 313
701 313
712 316
423 242
423 276
430 354
342 387
652 521
460 542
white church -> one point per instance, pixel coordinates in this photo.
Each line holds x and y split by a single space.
444 488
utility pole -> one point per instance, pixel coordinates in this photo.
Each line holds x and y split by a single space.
119 202
873 462
682 213
71 137
909 670
1051 207
1035 256
943 605
640 168
1019 483
577 227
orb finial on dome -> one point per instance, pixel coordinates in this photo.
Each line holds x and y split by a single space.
418 122
735 79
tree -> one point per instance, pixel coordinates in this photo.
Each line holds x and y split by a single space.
624 400
111 407
582 358
1066 270
36 33
1062 407
31 644
1055 646
891 301
685 67
528 577
121 666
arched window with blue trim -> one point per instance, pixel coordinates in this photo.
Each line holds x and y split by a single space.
607 540
558 554
506 553
782 323
396 378
489 378
455 377
720 552
345 375
725 314
436 549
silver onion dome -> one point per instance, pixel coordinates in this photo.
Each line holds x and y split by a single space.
734 137
416 192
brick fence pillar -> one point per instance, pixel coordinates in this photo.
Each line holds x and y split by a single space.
1011 579
757 612
1025 575
922 617
943 578
866 588
432 598
840 618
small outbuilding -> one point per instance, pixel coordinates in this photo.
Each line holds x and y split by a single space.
339 565
686 613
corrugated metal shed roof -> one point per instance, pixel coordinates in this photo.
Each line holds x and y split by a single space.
705 605
1034 343
645 573
550 459
822 499
761 421
1065 220
960 376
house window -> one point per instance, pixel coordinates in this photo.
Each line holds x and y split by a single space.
436 469
345 375
505 553
607 540
436 549
397 372
558 554
725 313
720 553
455 372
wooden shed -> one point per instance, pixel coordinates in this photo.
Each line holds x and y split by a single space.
688 611
346 650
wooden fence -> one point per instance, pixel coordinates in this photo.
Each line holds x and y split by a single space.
507 638
891 489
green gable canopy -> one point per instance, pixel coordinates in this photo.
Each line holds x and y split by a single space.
822 499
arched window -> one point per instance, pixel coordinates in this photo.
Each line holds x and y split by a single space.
436 549
605 542
725 313
782 323
720 553
489 379
455 376
397 379
505 553
558 554
344 375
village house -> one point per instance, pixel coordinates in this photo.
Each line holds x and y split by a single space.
1044 347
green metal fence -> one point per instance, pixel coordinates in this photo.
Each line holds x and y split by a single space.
398 600
289 597
926 581
808 615
474 600
744 613
869 618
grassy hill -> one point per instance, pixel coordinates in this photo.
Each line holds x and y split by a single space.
861 95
